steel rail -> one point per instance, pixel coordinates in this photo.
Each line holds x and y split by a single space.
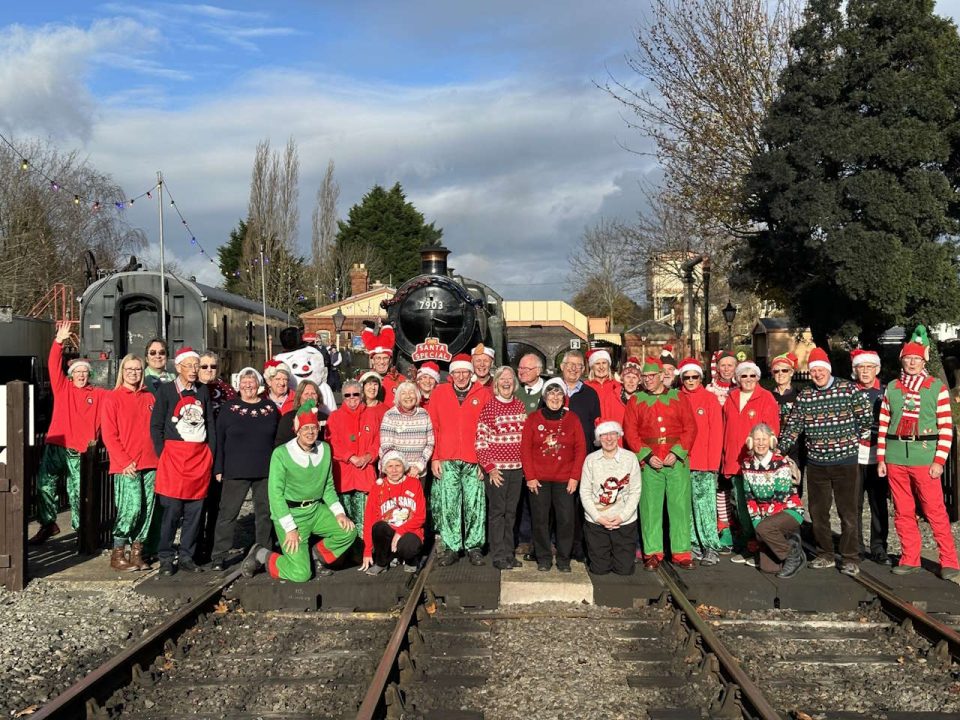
752 698
378 685
923 623
116 672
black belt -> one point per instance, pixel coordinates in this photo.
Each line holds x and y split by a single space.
301 503
912 438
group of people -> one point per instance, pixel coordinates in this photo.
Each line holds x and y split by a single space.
580 465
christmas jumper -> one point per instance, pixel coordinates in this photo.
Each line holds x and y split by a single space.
353 432
455 423
220 393
552 447
867 454
410 434
125 426
75 422
401 505
529 395
610 487
761 407
834 419
245 438
933 425
609 394
706 451
769 489
499 431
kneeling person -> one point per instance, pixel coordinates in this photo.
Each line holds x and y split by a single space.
303 502
393 521
610 494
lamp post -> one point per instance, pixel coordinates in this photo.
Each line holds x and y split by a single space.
730 314
338 319
678 331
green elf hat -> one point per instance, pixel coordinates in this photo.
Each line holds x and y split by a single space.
306 415
652 365
919 344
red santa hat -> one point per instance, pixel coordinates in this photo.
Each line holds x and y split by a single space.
430 369
394 455
185 353
461 362
272 367
482 349
864 357
818 359
184 403
602 426
78 364
690 364
596 356
378 342
666 355
631 364
307 414
310 338
788 359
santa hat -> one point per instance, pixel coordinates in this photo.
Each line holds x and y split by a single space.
309 338
652 364
602 426
745 367
184 403
482 349
918 345
370 375
818 359
690 364
461 362
554 382
307 414
78 364
394 455
185 353
378 342
864 357
631 364
272 367
430 369
596 356
788 359
666 355
247 370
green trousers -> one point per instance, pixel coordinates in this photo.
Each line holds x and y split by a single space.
459 505
313 520
674 483
58 462
355 504
134 499
743 528
704 502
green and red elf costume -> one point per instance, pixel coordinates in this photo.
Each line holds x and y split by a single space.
303 498
662 426
915 433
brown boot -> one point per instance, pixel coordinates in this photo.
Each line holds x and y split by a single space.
118 562
136 557
44 533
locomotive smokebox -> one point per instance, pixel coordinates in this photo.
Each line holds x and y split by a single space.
433 260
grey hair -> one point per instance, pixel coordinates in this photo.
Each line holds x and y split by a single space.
766 430
351 383
536 357
499 373
246 372
211 354
403 387
574 354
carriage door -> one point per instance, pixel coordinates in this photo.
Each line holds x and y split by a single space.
139 321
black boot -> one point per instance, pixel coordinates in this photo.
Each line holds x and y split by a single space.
794 561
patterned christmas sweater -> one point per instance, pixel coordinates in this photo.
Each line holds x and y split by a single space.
834 418
410 434
769 489
499 431
552 448
610 486
401 505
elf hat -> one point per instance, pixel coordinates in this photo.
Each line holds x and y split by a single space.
378 342
690 364
461 362
78 364
602 426
788 359
394 455
430 369
482 349
919 344
307 415
184 403
596 356
818 359
185 353
864 357
652 365
631 364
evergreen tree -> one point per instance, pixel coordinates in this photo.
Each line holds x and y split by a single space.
231 258
854 196
384 221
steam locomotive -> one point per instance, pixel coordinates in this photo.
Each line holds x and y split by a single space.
438 314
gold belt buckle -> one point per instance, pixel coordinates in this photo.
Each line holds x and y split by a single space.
662 440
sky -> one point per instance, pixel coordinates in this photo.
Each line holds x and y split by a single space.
487 113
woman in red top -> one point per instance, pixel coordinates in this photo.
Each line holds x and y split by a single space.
394 517
553 449
745 406
125 424
602 380
354 432
373 396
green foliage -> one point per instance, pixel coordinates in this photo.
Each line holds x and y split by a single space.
855 191
384 221
231 258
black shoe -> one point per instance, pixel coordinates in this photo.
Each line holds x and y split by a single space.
447 557
475 556
530 557
188 565
503 565
515 563
794 561
167 568
578 557
544 566
881 558
564 568
250 565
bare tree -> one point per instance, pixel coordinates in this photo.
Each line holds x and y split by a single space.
324 236
707 72
599 273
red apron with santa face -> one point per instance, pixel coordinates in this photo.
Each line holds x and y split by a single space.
184 470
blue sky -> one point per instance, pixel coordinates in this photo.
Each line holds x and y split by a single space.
485 112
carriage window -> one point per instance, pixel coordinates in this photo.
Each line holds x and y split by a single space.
138 323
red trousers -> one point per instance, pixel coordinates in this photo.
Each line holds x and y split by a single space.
905 483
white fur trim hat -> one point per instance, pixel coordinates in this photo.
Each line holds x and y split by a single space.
597 355
746 366
606 425
430 369
554 382
482 349
690 365
461 362
394 455
246 371
78 364
185 353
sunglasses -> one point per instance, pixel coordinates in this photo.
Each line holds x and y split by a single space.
781 372
209 367
688 378
346 395
153 353
750 377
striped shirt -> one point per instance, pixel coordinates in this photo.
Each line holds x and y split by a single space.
919 452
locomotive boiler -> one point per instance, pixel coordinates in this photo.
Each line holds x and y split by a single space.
438 314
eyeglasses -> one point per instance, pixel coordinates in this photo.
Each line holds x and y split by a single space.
152 353
346 395
688 378
133 370
749 377
575 366
782 371
521 367
190 366
208 367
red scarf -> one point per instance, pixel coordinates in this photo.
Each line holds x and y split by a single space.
909 420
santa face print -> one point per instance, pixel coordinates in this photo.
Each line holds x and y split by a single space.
393 469
190 424
380 363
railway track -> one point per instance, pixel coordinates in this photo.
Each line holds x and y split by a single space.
668 660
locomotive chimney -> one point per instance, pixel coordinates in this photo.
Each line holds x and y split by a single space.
433 260
359 279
